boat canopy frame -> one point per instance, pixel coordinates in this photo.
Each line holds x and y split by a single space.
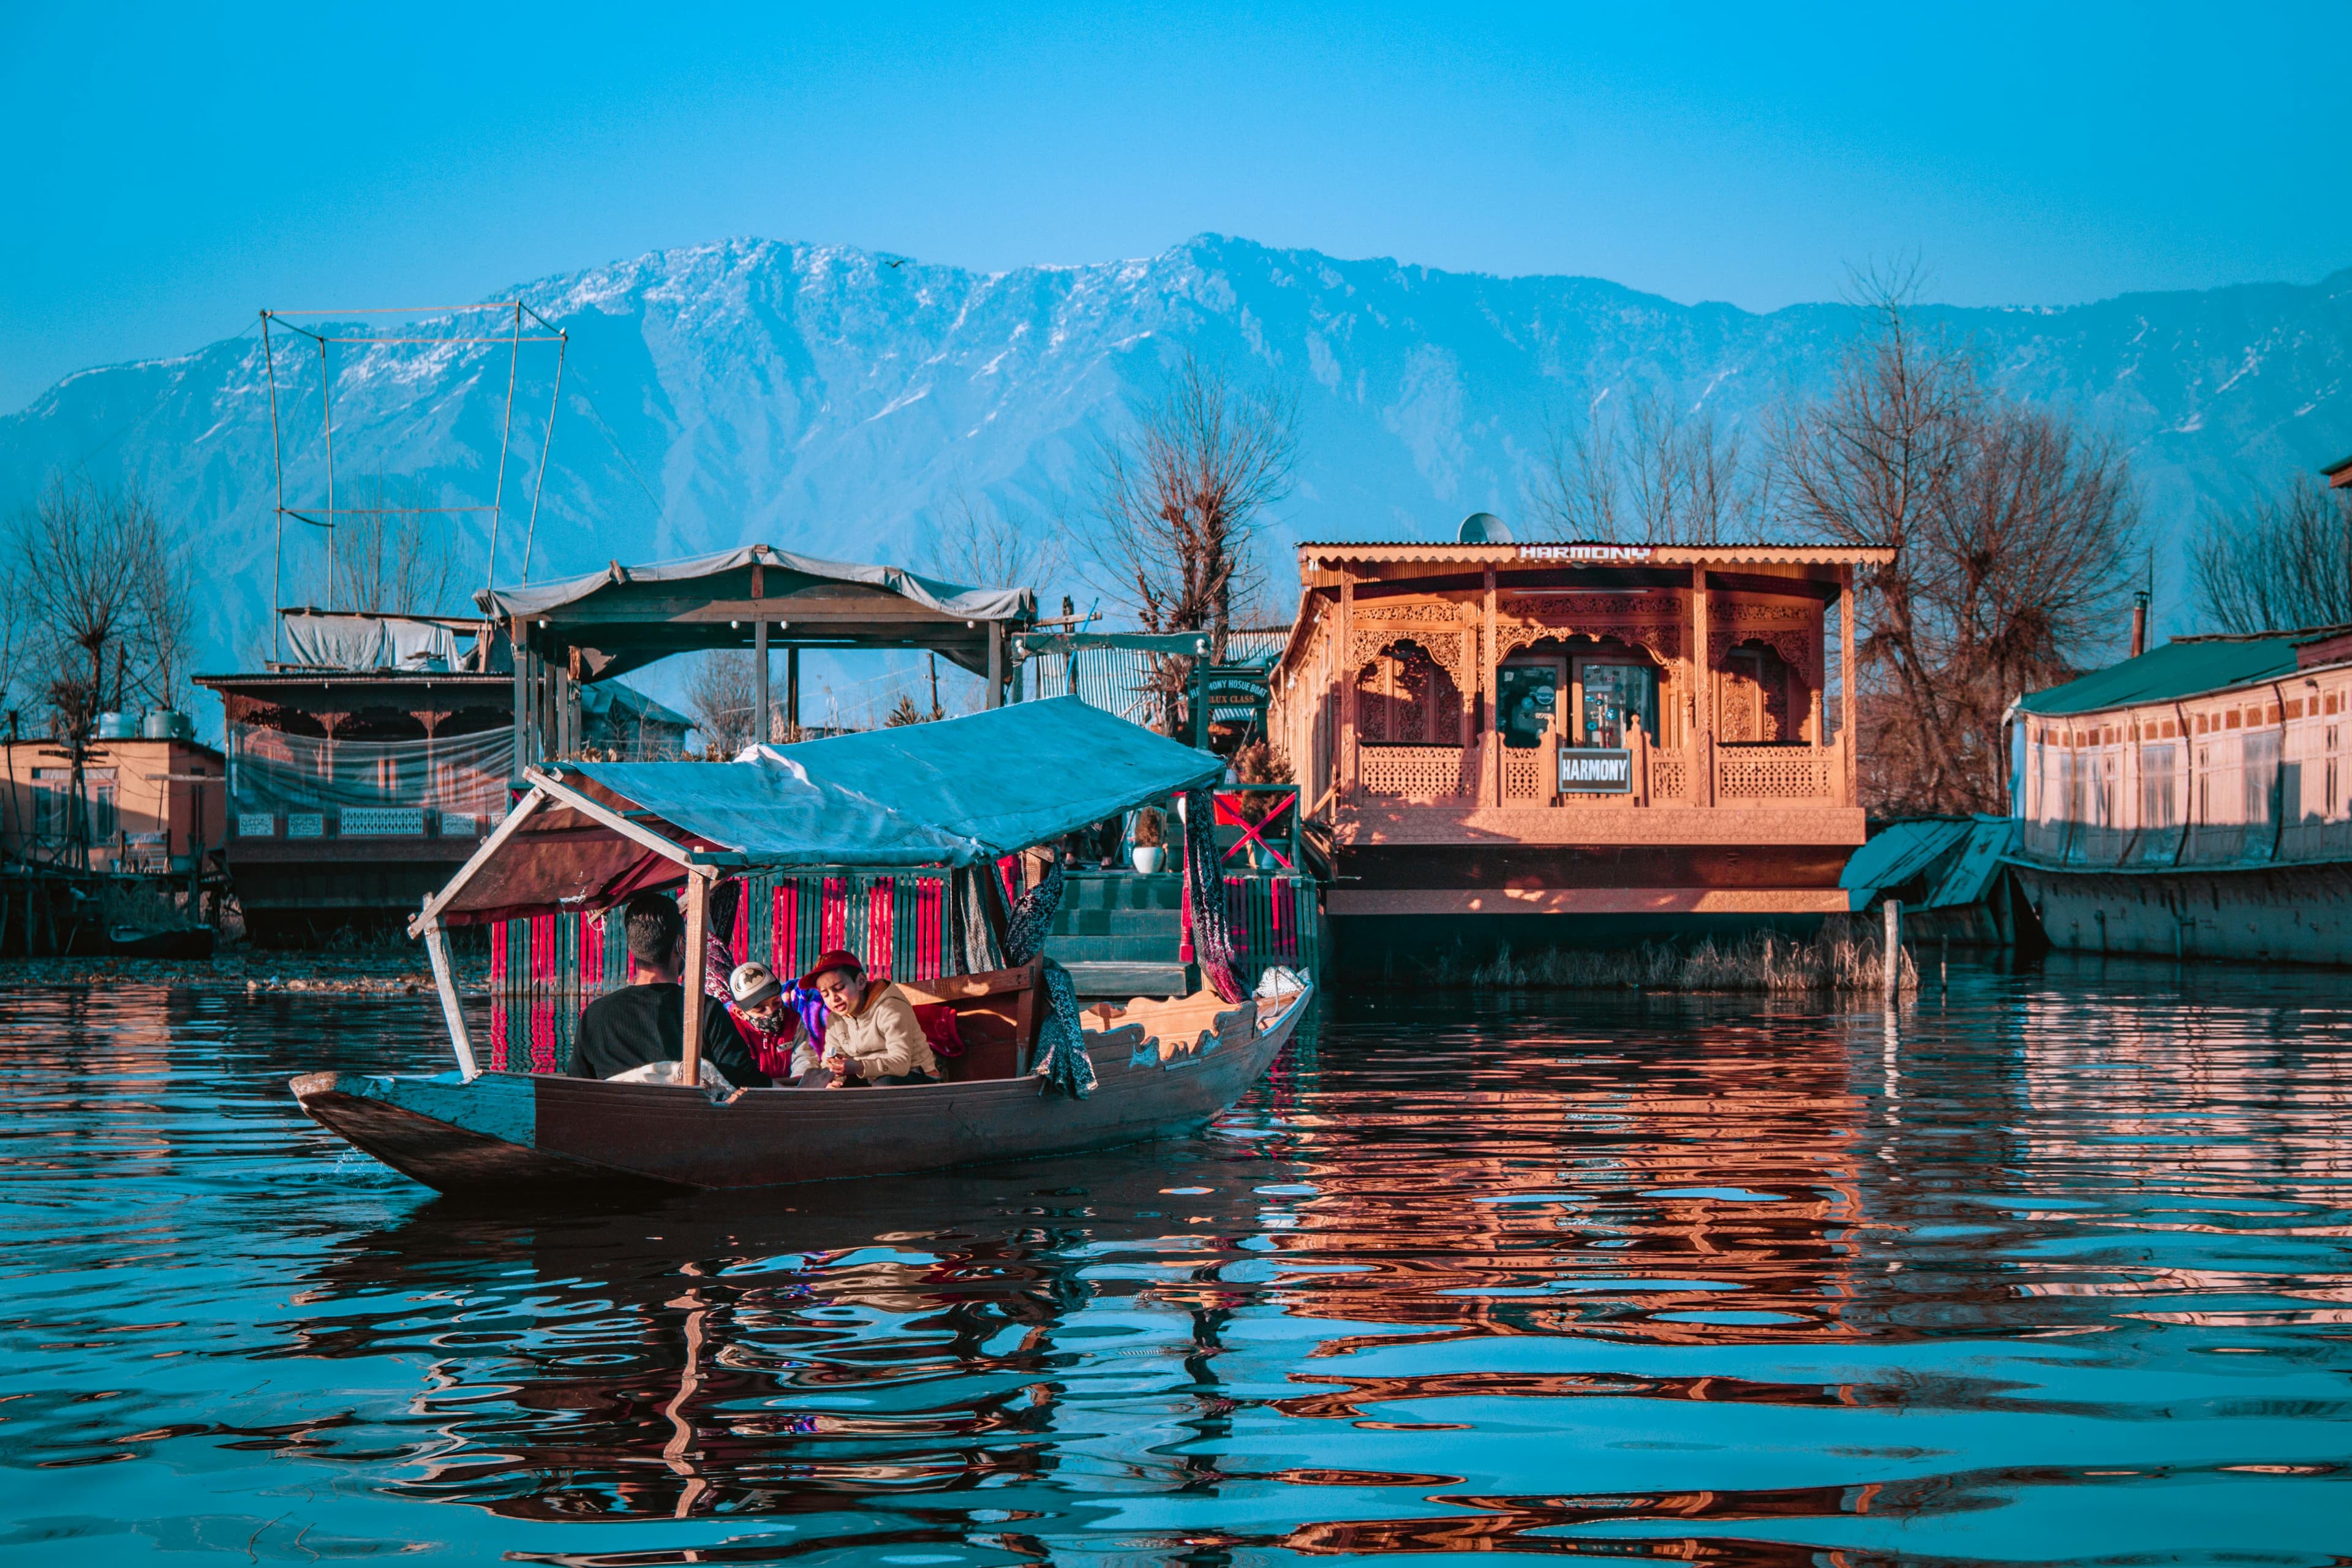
956 792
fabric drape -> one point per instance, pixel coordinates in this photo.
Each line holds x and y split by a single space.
1032 919
1063 1065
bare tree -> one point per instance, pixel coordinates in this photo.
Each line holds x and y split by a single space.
2012 530
2284 562
724 694
105 599
389 561
1183 495
980 542
102 601
1637 470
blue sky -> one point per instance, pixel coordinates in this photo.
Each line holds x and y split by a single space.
172 169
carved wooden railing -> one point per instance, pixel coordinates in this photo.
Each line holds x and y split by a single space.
1419 773
1753 775
1744 777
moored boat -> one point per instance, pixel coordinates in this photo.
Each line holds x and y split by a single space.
1036 1078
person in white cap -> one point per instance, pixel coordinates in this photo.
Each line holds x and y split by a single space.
771 1031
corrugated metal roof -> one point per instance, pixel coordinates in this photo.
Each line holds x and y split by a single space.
2183 667
1540 552
1119 680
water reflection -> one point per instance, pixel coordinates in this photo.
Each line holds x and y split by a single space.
2051 1269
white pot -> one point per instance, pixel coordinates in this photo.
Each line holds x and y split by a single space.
1147 858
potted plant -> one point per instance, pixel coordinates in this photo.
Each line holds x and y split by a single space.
1150 839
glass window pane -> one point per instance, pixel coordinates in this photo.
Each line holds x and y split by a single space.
1526 696
1617 697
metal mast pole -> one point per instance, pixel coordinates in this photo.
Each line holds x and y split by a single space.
277 463
498 498
563 343
327 418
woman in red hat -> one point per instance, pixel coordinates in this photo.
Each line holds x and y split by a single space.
871 1035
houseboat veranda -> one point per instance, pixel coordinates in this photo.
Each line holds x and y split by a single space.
952 801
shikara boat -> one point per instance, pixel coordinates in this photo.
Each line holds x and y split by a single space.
958 794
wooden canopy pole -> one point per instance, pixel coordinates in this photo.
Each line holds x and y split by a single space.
437 948
792 689
763 728
697 917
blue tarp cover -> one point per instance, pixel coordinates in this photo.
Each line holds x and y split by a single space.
943 794
1007 778
1962 853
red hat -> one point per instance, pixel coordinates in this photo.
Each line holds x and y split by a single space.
837 959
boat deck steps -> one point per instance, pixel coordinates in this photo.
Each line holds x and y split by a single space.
1119 982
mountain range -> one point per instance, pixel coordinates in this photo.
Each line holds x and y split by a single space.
833 401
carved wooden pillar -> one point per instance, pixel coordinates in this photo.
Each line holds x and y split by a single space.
1702 783
1346 685
1490 748
1846 736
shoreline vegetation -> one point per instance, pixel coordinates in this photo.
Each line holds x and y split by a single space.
1827 965
257 972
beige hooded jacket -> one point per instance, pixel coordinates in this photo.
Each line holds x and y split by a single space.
881 1038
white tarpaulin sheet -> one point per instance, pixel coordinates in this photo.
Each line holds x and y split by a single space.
948 598
364 643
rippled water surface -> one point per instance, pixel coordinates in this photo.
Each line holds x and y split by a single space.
2051 1269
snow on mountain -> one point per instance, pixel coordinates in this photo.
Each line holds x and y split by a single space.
827 399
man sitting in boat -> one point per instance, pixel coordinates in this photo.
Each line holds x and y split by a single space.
645 1021
871 1035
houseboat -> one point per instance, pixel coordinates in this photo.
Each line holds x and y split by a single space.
1567 743
2192 802
366 767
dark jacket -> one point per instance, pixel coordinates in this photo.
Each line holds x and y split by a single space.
638 1024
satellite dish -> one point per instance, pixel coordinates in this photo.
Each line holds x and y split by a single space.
1484 527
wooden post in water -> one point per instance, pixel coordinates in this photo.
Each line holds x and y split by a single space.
1943 962
1891 954
697 920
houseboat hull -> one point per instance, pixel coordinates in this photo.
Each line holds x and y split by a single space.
2295 914
510 1132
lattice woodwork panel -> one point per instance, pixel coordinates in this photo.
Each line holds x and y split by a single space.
1524 780
1416 772
1669 776
1799 774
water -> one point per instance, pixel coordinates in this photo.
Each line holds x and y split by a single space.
2051 1270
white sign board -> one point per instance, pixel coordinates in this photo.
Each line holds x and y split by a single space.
1589 554
1596 769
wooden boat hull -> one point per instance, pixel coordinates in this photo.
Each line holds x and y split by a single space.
509 1131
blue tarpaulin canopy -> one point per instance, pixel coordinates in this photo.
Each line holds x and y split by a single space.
945 793
1007 778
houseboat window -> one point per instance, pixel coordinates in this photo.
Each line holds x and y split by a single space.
1617 697
1527 695
2260 774
2155 784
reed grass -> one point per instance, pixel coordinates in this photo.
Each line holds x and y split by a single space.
1761 962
